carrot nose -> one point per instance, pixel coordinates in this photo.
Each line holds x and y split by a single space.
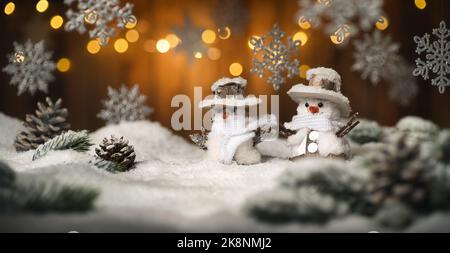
313 109
224 115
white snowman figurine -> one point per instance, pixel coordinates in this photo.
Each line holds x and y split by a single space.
232 133
321 113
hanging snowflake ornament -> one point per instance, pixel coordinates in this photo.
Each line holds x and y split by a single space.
30 67
270 53
124 105
340 18
100 17
190 39
437 57
376 57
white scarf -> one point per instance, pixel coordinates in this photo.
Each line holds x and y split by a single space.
313 122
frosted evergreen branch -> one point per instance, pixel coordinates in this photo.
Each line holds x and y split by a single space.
109 166
77 141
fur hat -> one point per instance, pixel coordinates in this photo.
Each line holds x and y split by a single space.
325 84
230 92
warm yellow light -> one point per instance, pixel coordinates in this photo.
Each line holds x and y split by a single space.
382 23
301 36
63 65
121 45
303 69
9 8
198 55
56 22
335 39
131 24
214 53
173 40
249 42
93 46
224 33
150 46
209 36
236 69
163 46
304 24
132 35
42 6
420 4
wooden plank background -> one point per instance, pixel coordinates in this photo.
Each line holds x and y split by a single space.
161 76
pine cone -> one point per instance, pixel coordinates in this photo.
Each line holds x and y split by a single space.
49 121
117 151
400 175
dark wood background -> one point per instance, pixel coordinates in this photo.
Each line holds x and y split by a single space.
161 76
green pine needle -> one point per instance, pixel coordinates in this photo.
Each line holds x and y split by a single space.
78 141
108 165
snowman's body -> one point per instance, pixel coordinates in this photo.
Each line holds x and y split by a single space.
231 138
316 124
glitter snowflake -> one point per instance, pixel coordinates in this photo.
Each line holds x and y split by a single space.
437 54
190 39
376 57
341 17
30 67
270 53
124 105
98 16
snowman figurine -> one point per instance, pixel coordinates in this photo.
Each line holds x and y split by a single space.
321 115
233 134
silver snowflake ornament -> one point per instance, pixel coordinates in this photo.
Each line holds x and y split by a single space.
437 57
272 54
341 17
376 57
100 17
30 67
124 105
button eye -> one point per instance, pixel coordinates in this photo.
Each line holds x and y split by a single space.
306 105
320 104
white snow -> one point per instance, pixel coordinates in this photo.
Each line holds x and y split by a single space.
172 188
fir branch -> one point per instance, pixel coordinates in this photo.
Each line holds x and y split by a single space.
77 141
109 166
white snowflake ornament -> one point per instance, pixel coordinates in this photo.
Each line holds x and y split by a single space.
270 53
124 105
376 57
30 67
99 17
437 57
341 17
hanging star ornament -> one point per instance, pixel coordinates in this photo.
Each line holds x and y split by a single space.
190 39
437 57
270 53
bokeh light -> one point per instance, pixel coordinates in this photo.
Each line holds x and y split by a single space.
63 65
93 46
236 69
300 36
173 40
131 25
249 42
42 6
121 45
214 53
303 69
224 32
304 24
163 46
209 36
56 22
382 24
9 8
132 35
420 4
198 55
